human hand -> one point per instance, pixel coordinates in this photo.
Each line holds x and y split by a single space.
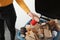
34 16
31 15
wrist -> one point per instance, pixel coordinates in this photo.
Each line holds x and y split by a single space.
31 14
28 12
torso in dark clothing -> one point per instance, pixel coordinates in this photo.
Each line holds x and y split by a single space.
7 12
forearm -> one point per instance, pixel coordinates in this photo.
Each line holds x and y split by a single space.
23 5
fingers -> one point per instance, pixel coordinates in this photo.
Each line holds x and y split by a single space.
34 16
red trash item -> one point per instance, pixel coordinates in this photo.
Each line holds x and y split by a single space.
33 22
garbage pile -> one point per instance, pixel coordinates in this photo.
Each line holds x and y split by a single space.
42 31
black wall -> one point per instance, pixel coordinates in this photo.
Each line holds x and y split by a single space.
49 8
